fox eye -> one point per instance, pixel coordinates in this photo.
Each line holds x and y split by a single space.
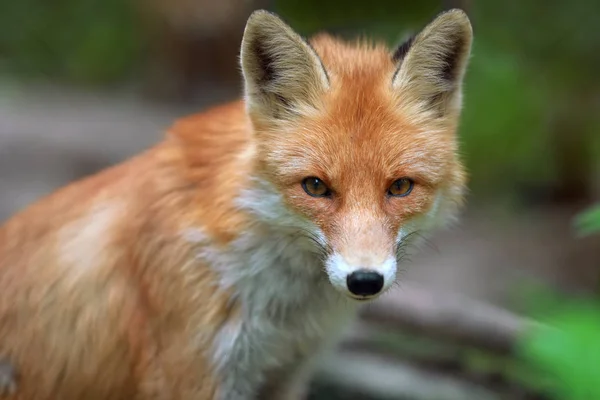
315 187
401 187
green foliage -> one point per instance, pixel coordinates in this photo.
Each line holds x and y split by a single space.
588 222
568 350
82 41
566 347
552 40
501 121
383 18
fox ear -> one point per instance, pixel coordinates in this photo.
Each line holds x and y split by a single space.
431 65
282 74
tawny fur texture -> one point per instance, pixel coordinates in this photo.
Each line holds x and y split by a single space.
201 269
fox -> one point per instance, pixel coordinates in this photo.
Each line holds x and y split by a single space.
223 261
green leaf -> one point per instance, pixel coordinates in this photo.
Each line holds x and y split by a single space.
588 222
569 352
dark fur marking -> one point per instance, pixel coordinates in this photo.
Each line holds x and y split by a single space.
265 61
403 49
319 58
400 53
448 73
285 103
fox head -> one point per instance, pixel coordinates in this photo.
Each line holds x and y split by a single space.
355 144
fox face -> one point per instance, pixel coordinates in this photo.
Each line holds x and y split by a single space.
356 144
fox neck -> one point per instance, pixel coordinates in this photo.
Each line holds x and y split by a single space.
276 278
287 309
273 274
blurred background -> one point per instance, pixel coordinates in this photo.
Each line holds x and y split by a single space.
502 306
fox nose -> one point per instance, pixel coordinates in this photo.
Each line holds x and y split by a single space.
364 282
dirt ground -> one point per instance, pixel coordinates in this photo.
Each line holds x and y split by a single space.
51 135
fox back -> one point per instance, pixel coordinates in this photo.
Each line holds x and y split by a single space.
221 262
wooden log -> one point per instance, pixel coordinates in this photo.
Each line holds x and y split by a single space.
449 317
347 374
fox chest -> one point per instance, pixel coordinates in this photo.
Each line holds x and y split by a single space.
286 311
277 334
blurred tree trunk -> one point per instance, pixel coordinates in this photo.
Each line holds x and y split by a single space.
570 117
194 43
571 148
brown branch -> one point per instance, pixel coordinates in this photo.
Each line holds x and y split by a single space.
449 317
352 375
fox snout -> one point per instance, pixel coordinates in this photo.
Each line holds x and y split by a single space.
362 262
364 282
361 281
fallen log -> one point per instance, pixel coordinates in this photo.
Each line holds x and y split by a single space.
346 375
449 317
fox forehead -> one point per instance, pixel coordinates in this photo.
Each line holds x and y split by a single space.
360 126
376 144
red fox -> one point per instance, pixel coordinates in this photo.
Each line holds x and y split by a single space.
220 263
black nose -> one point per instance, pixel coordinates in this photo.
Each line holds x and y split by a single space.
364 282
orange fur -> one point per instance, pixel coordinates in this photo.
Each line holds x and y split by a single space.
103 297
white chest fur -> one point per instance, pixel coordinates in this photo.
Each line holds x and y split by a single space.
289 309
